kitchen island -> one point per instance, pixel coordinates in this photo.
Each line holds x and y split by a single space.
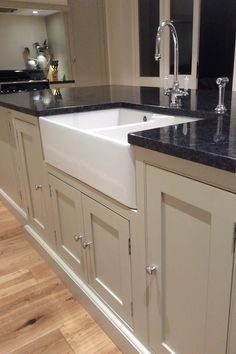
159 277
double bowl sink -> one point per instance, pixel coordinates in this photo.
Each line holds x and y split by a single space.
93 147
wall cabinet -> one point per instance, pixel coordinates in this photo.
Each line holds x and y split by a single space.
190 258
95 243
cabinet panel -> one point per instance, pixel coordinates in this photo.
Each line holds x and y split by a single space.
109 261
190 238
232 323
30 155
9 181
68 220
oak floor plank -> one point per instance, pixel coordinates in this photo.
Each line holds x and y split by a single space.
31 295
14 277
18 259
87 338
41 271
52 343
38 315
15 288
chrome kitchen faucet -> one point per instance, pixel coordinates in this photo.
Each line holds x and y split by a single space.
175 92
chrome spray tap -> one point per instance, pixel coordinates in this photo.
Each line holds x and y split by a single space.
221 82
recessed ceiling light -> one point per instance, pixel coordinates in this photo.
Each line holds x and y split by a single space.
35 12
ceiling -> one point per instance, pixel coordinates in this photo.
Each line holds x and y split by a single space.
29 12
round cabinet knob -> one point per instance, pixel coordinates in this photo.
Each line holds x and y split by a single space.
77 237
86 244
38 186
151 269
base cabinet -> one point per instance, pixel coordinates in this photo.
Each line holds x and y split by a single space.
68 224
33 173
109 263
232 320
10 169
94 241
183 232
190 257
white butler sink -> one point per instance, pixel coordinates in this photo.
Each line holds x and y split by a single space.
93 147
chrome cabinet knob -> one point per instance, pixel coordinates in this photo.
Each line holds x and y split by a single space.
86 244
38 186
77 237
151 269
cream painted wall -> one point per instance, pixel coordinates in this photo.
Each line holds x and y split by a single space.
88 42
17 32
58 44
120 42
51 2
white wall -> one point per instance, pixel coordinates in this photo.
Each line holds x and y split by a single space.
58 44
16 33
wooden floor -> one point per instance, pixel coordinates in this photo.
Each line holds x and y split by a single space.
37 313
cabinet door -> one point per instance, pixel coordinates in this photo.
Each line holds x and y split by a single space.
31 159
232 322
109 256
9 181
190 229
68 219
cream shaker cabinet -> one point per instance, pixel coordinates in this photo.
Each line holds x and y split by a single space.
232 320
94 242
10 171
190 241
109 263
68 220
33 172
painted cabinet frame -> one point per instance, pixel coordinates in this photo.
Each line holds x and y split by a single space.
33 174
68 224
95 242
176 204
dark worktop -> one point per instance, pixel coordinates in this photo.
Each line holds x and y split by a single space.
211 141
62 82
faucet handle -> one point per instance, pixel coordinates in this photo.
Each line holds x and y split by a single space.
186 84
166 82
222 81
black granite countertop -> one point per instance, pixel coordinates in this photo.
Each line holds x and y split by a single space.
62 82
211 141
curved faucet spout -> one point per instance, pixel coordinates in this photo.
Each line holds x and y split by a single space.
176 46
